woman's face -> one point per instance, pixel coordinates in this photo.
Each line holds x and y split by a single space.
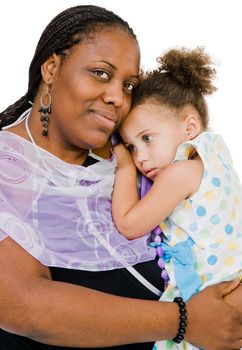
91 90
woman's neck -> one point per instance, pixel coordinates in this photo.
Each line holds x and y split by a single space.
68 153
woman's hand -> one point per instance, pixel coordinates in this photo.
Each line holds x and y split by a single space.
234 297
213 324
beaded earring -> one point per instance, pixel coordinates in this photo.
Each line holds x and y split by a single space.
45 110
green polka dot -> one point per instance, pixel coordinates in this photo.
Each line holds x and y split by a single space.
197 266
180 219
223 204
169 344
204 233
238 186
170 294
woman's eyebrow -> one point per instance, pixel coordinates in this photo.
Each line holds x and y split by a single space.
115 68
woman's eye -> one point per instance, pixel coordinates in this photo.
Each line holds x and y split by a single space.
102 74
129 87
147 138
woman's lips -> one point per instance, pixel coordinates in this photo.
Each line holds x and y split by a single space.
106 119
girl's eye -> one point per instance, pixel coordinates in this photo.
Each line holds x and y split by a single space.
102 74
147 138
129 87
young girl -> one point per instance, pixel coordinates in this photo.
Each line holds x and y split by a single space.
196 195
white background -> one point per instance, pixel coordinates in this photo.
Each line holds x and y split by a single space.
159 25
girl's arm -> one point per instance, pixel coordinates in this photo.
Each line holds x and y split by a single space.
125 192
58 313
134 217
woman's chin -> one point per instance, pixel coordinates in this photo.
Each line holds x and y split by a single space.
103 148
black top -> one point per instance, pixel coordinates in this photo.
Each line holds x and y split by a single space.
118 282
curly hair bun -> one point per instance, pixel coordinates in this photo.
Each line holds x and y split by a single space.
192 68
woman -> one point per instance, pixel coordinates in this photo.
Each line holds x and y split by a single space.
57 236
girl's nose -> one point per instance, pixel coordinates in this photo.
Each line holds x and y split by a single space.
141 156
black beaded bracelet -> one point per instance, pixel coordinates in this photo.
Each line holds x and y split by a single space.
182 320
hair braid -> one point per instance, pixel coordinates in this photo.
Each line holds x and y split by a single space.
67 29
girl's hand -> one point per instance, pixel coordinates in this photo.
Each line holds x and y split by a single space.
124 158
213 324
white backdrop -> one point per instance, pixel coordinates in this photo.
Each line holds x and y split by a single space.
159 25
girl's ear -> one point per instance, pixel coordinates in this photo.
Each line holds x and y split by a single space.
192 126
50 67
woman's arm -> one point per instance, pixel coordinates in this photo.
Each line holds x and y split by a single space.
33 305
134 217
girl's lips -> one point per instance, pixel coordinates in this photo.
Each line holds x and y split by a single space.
151 173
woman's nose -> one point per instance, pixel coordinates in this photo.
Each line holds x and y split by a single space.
114 95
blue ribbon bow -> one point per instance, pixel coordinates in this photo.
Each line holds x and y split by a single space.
187 279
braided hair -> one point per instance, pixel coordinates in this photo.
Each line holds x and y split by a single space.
66 30
183 77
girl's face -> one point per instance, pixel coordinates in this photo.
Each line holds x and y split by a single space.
152 133
91 89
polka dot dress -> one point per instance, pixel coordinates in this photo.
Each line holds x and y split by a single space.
211 219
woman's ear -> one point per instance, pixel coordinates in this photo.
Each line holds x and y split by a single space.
49 68
192 126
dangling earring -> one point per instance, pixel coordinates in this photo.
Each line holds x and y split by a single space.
45 110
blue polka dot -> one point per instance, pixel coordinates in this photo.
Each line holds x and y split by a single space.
201 211
229 229
228 177
227 190
216 181
193 227
214 245
215 219
205 173
209 276
208 136
212 259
